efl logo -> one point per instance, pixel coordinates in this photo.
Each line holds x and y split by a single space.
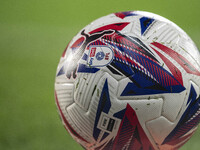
100 56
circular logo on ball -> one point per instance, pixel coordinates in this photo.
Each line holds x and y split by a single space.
100 56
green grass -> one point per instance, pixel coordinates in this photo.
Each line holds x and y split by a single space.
33 35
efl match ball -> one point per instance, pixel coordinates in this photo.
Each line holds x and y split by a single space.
130 81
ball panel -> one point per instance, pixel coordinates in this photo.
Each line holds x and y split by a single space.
160 128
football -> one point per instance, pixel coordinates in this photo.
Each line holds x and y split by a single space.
129 81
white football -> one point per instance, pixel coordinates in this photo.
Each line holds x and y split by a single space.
130 80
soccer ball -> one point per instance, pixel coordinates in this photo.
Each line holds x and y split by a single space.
130 80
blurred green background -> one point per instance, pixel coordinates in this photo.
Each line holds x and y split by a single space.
33 34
